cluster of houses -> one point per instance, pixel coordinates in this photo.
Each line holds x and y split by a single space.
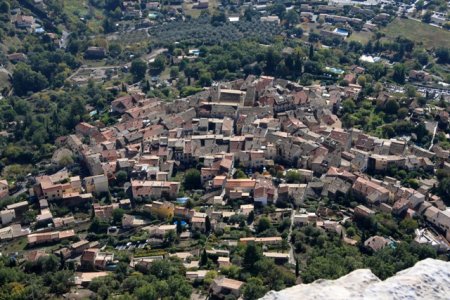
261 126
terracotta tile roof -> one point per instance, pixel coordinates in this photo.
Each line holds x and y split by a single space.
240 183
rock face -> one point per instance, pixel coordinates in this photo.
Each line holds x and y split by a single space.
428 279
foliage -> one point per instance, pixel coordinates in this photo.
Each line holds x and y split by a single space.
117 216
239 174
121 177
254 289
399 73
98 226
158 65
203 258
192 179
138 69
293 176
444 190
327 257
201 31
251 256
263 224
443 55
26 80
207 225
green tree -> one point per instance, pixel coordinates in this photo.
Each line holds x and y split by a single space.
443 55
239 174
203 258
444 190
292 18
351 232
192 179
251 217
121 177
278 9
108 25
293 176
169 238
4 7
138 69
146 292
408 225
189 204
98 226
117 216
205 79
311 51
59 282
40 136
65 161
114 49
392 107
348 106
218 19
272 60
179 227
174 71
426 18
422 58
207 225
252 255
158 65
263 224
111 5
29 216
410 91
178 287
26 80
254 289
399 74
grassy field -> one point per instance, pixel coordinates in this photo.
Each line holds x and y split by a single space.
81 9
421 33
362 37
16 245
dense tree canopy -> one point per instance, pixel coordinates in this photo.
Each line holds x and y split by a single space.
138 69
26 80
192 179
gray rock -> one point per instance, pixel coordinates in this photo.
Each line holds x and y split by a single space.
428 279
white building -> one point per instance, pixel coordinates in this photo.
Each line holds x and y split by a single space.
7 216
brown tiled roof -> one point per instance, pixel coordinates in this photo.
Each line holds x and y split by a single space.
240 183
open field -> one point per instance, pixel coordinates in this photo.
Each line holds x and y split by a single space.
77 8
419 32
81 9
16 245
361 36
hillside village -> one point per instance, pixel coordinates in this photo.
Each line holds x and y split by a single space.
219 149
216 165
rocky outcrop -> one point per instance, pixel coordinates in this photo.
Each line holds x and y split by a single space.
428 279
